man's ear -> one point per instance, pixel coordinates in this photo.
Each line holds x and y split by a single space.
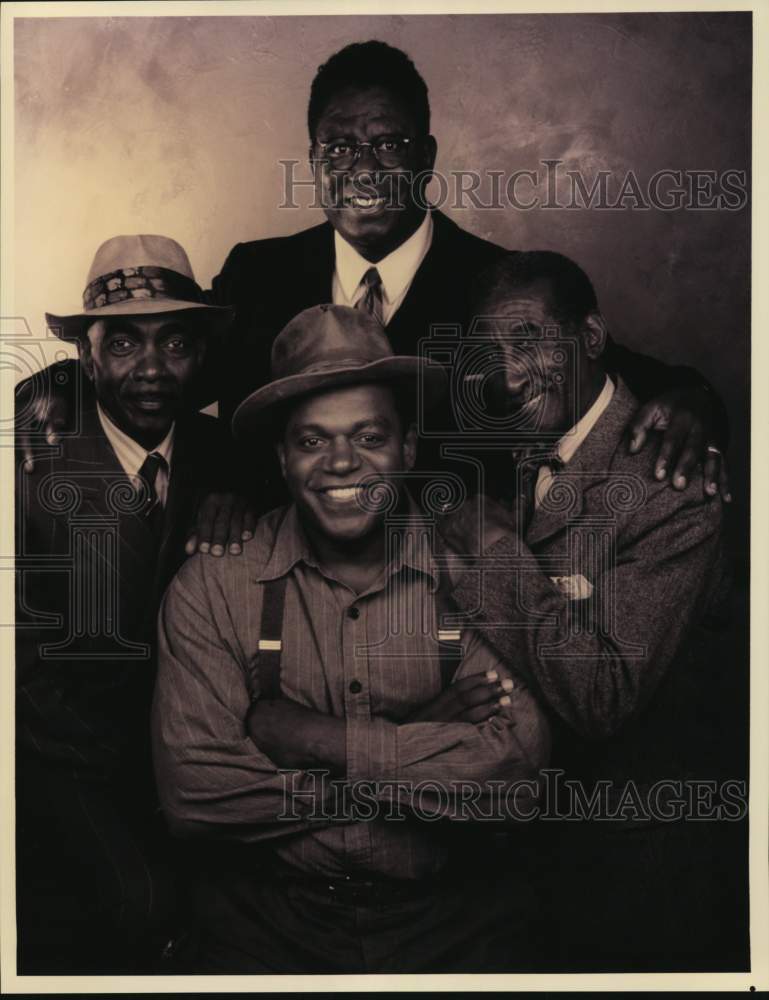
594 334
86 355
281 452
431 151
410 447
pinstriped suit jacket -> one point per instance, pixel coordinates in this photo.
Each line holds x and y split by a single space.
89 578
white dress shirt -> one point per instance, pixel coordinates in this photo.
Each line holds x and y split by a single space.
567 446
396 270
131 455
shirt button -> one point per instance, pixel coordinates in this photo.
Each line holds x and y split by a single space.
353 612
356 687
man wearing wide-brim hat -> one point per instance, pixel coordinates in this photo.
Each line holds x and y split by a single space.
101 527
326 647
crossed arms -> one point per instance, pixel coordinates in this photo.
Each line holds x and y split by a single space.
221 761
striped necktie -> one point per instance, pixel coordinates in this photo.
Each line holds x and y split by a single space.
371 300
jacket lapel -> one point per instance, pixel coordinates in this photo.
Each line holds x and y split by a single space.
431 295
313 284
589 468
179 501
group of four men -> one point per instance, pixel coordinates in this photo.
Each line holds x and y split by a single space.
351 712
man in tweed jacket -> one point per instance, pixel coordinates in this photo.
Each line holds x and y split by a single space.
600 586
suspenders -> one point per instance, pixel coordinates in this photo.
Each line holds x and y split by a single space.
267 660
265 666
449 639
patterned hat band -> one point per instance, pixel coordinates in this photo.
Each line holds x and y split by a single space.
140 283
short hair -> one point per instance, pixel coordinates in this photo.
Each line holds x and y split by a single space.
572 296
370 64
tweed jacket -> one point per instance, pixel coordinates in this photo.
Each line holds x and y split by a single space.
609 607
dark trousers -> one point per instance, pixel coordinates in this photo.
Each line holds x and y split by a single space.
95 888
668 898
478 918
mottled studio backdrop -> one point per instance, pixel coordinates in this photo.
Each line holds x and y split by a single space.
176 125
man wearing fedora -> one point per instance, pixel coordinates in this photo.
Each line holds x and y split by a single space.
384 249
318 723
101 527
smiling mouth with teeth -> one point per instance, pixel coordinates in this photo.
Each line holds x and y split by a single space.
361 201
342 494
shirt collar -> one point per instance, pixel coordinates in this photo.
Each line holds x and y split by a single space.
130 453
291 547
396 270
572 439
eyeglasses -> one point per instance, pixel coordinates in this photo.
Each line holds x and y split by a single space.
390 151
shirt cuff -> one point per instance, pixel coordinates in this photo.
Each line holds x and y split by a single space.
372 750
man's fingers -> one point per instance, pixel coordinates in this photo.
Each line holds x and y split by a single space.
648 417
220 534
47 416
25 446
235 527
191 545
688 458
723 482
482 689
250 518
670 448
53 428
204 528
55 419
478 714
482 694
711 470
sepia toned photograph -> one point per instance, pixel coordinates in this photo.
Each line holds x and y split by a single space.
377 463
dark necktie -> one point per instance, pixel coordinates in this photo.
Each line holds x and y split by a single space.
527 464
371 300
153 508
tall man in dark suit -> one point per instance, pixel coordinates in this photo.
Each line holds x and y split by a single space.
101 528
384 250
606 591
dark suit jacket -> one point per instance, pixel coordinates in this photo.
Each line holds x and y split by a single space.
90 577
626 658
270 281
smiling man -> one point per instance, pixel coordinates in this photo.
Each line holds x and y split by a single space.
321 654
607 591
101 528
385 249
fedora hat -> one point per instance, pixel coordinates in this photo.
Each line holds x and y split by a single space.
136 276
329 347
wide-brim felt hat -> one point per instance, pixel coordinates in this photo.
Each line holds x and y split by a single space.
142 275
329 347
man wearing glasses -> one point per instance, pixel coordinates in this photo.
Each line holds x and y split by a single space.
385 250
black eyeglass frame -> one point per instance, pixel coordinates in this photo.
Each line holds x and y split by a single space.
357 147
